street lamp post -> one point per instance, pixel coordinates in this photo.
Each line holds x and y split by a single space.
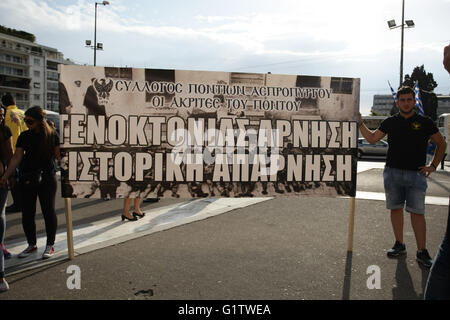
409 24
96 46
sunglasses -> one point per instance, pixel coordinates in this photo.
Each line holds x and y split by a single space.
29 121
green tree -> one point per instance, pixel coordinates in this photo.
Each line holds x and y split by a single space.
426 80
426 85
374 113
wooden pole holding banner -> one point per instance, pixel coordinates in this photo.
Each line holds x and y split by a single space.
69 228
351 225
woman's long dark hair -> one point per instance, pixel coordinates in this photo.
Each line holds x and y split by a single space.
45 132
2 124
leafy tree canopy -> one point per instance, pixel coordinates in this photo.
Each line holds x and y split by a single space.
426 80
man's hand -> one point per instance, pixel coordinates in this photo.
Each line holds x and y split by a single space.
446 61
360 119
426 170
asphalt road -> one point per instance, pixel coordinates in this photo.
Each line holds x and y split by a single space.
281 249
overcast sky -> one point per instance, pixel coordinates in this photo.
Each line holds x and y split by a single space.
348 38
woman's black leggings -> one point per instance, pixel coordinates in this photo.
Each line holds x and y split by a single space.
46 193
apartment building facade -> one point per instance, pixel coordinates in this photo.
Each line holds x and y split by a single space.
29 71
382 104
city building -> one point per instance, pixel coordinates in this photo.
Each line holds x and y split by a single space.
382 104
29 71
443 104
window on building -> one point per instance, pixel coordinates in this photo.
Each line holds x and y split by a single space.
37 85
120 73
342 85
6 70
52 75
37 62
52 101
22 83
159 75
308 81
37 97
22 96
52 65
52 86
37 73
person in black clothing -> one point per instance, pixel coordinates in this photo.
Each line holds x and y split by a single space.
65 106
438 283
91 102
6 152
405 172
36 150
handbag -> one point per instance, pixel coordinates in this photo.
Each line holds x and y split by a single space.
30 179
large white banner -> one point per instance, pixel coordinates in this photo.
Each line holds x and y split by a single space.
129 132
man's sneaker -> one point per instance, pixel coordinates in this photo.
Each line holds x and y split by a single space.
397 250
4 285
423 257
29 250
49 252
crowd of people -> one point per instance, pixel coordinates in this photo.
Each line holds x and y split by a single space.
29 152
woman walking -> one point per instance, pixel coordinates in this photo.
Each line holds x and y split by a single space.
36 150
6 152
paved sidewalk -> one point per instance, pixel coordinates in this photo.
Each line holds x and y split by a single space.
282 249
112 231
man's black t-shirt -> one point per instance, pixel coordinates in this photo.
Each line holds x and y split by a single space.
408 140
33 158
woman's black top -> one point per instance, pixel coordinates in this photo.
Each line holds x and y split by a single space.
34 158
5 134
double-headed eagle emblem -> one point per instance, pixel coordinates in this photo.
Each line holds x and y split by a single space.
416 125
103 88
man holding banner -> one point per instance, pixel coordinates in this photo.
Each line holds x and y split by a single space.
405 171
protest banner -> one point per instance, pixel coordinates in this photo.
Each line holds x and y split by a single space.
131 132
